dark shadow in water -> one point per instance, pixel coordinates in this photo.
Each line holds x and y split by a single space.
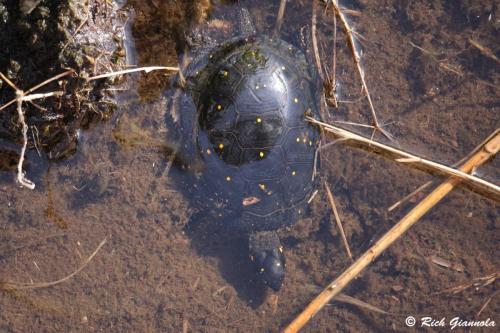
231 248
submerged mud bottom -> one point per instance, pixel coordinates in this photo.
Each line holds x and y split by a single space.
158 273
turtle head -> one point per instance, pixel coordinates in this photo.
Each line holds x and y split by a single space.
271 267
266 253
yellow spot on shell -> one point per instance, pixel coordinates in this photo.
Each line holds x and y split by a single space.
259 120
295 100
262 186
221 145
228 178
310 143
225 73
298 139
209 152
219 107
294 173
304 140
261 154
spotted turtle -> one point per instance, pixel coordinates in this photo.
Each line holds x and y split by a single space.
244 102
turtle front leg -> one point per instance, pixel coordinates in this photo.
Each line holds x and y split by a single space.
266 253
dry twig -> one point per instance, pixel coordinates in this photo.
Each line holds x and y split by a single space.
334 288
20 173
132 70
405 157
21 97
35 87
279 19
424 186
357 61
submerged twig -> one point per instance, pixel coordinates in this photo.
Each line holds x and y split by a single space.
484 50
337 218
447 264
331 89
486 303
409 196
363 305
22 286
315 193
314 40
476 283
441 63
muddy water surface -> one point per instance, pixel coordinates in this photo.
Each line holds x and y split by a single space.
438 95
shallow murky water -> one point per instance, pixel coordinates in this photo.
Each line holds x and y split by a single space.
438 95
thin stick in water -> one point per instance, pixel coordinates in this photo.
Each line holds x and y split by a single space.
484 50
315 40
486 303
408 158
357 61
409 196
279 19
337 218
23 286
